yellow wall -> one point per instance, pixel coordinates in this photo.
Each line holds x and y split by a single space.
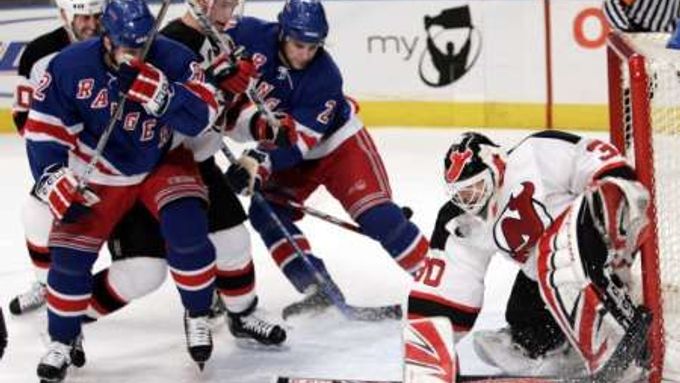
447 114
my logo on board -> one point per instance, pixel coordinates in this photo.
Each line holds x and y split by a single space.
448 50
453 46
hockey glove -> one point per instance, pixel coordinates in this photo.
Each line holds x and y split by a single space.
247 175
231 75
58 188
283 135
144 83
620 212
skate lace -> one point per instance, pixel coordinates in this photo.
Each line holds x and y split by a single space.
198 331
257 325
35 296
57 355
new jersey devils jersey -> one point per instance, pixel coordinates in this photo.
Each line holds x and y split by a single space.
543 175
313 96
72 106
32 65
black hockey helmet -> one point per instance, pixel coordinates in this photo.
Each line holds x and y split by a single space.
473 170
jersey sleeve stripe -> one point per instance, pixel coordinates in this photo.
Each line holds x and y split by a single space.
41 131
204 92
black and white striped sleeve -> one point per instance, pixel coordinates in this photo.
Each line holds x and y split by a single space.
615 12
642 15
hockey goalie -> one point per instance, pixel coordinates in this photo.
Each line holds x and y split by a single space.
570 212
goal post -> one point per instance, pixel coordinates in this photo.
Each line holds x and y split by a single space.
644 111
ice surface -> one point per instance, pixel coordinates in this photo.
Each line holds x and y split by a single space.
145 341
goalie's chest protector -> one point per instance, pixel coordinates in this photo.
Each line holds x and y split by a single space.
536 190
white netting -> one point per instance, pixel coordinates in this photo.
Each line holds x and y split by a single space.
663 70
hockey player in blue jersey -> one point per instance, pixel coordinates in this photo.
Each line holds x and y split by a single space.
70 109
303 85
80 22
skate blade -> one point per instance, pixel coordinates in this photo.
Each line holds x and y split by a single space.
252 344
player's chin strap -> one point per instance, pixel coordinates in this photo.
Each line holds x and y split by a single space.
588 302
227 45
117 114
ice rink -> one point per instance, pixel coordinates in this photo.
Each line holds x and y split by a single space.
145 341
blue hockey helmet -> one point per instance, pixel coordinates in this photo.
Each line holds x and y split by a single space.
127 23
304 20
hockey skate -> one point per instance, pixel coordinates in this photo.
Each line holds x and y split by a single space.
53 365
498 349
247 325
30 300
78 352
199 338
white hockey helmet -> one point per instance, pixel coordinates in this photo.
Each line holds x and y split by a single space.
473 170
71 8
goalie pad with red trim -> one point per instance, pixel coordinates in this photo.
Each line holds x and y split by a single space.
429 354
593 309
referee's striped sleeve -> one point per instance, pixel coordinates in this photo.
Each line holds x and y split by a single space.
615 12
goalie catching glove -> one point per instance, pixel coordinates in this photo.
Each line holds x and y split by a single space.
144 83
247 175
58 188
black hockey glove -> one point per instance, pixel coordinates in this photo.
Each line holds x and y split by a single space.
247 175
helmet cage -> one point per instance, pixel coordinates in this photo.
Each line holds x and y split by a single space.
473 193
473 171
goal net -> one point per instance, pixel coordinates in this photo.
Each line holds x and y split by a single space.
644 105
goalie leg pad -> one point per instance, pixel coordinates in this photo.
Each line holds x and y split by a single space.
430 354
571 295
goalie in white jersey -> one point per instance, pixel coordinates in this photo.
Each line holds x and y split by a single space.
570 212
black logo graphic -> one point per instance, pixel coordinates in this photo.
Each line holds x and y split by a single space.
453 47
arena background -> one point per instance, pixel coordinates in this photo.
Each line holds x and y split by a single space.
530 63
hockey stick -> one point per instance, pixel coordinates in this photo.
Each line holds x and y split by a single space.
350 312
227 45
315 213
120 104
408 213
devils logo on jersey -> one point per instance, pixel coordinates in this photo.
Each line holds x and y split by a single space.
521 223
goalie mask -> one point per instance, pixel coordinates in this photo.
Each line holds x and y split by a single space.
473 170
69 9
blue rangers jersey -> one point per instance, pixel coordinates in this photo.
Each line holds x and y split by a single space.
73 103
313 96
